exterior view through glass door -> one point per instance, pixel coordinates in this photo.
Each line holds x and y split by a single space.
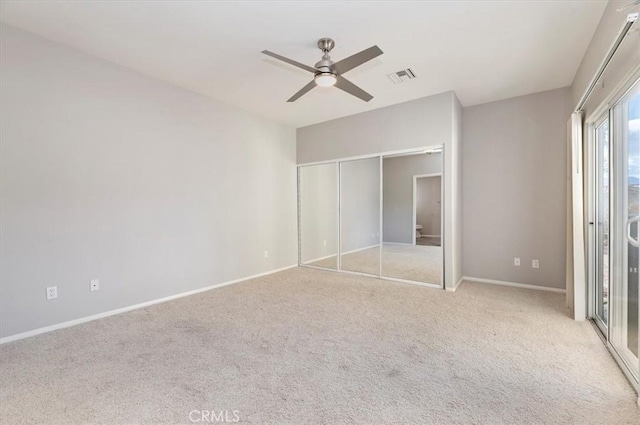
624 294
601 263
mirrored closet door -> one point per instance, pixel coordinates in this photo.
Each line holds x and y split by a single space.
380 216
318 215
412 217
360 216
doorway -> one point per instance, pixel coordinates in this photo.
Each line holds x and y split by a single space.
427 209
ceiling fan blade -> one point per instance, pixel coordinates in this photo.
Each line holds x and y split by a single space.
290 61
346 85
302 91
356 60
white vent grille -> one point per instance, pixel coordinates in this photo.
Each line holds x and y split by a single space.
402 76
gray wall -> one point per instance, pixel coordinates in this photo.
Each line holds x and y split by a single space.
359 204
418 123
514 159
428 205
429 121
318 211
108 174
397 186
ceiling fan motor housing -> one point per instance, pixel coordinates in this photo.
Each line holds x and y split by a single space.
325 66
326 44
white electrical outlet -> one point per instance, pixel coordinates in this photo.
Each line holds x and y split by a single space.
535 264
325 242
266 254
516 261
94 285
52 292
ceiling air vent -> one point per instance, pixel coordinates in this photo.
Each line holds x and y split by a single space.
402 76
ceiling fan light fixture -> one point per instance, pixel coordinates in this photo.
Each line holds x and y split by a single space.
327 73
325 79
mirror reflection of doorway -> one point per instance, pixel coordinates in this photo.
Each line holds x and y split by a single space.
427 209
412 217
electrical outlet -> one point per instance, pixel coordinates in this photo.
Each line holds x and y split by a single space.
52 292
94 285
325 242
516 261
266 254
535 264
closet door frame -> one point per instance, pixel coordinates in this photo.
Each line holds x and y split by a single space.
380 156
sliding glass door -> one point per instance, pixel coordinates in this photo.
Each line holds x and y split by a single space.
624 295
615 228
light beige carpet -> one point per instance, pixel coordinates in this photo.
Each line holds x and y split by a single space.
410 262
313 347
413 262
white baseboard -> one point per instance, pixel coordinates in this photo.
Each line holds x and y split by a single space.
360 249
74 322
513 284
456 286
320 259
430 236
398 243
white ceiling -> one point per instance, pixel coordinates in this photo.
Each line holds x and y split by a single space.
484 50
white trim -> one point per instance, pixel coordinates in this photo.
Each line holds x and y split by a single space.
338 213
381 215
373 275
577 195
415 151
412 282
615 45
298 217
81 320
457 285
398 243
430 236
618 92
360 249
318 259
327 269
513 284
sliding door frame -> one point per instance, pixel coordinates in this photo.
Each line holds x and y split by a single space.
593 260
605 111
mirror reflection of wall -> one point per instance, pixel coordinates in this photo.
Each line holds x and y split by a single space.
360 215
412 217
318 203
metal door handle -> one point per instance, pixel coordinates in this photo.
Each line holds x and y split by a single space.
631 240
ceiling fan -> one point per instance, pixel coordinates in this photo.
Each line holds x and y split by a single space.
329 73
